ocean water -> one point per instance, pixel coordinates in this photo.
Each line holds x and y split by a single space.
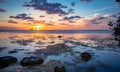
99 43
58 31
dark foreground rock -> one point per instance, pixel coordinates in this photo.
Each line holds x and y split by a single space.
85 56
31 61
60 68
6 61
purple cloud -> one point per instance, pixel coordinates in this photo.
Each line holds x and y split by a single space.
97 20
22 16
50 8
71 17
12 21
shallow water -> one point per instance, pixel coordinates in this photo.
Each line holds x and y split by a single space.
104 50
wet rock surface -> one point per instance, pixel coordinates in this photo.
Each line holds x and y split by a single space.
31 61
6 61
85 56
60 68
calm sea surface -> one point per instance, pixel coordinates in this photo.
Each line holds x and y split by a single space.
99 43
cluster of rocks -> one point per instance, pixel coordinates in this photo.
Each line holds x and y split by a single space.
33 61
26 61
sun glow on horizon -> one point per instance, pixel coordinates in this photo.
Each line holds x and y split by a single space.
37 27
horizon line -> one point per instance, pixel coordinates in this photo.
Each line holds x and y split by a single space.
49 30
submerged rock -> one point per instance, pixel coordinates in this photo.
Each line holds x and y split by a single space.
85 56
2 48
13 51
72 42
31 61
57 48
23 42
6 61
60 68
19 49
59 36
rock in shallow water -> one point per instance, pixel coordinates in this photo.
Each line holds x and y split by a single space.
85 56
59 36
31 61
13 51
6 61
60 68
2 48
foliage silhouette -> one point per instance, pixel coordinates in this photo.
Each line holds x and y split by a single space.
115 26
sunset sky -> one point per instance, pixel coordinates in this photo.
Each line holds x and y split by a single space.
57 14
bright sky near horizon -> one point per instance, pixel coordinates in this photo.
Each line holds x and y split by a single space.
57 14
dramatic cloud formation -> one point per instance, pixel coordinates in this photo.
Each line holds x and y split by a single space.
22 16
12 21
58 14
2 10
50 8
71 17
